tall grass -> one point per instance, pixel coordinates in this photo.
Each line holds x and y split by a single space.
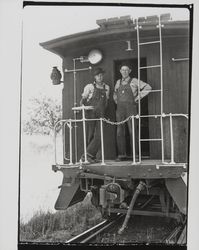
61 225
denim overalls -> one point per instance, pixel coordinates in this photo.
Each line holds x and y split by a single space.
126 106
98 101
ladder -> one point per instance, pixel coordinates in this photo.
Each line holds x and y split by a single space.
139 45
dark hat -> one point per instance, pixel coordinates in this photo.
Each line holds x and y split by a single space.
98 71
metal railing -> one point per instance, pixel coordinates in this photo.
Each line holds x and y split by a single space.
69 123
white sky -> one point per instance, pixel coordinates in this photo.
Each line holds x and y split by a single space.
43 23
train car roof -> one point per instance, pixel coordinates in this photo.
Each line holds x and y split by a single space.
117 29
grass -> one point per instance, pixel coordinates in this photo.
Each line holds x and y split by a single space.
61 225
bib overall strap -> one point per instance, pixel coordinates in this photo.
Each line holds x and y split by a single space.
130 79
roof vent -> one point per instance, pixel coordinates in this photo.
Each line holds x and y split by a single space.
124 21
165 17
114 22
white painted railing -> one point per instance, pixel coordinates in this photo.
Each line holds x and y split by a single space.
68 123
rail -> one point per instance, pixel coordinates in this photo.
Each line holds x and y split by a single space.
68 123
177 235
91 233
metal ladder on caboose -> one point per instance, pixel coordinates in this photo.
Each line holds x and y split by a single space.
139 45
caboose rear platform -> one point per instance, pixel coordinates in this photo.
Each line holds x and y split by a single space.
147 169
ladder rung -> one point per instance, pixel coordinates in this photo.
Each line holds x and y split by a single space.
152 66
149 42
150 139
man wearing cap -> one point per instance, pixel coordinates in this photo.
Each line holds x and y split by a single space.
95 94
126 97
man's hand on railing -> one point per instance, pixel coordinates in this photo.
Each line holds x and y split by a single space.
82 101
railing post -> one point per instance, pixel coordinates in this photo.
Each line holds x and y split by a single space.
162 135
70 138
55 146
84 134
102 141
133 139
171 138
64 140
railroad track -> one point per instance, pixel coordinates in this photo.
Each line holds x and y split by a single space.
175 235
91 233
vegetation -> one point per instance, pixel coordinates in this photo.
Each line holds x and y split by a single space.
61 225
44 226
43 114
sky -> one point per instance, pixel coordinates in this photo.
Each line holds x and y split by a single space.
43 23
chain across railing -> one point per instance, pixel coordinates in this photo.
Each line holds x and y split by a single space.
69 122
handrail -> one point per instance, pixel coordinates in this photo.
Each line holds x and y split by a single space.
69 123
179 59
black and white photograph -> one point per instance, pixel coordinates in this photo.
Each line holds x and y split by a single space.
105 124
104 129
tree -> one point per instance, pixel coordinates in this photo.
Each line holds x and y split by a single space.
43 114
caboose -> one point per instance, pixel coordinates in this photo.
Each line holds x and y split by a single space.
158 50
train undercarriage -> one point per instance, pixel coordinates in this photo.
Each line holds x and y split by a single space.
148 189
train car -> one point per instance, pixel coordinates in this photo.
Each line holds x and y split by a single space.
155 184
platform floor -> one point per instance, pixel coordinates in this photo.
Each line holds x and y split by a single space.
147 169
144 162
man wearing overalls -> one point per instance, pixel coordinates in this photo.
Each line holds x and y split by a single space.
126 97
95 94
